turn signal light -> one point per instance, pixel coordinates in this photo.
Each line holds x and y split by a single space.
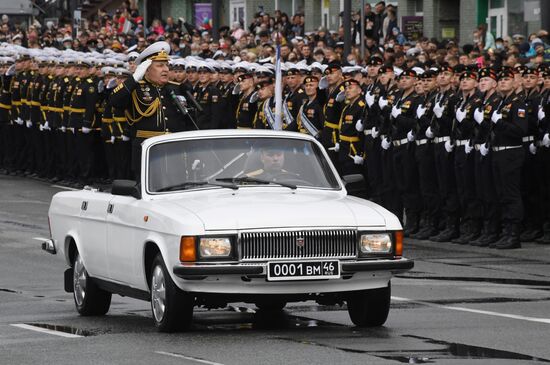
188 249
399 243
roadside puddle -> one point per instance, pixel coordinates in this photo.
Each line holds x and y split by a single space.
68 329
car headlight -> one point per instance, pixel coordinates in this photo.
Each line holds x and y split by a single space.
215 246
375 243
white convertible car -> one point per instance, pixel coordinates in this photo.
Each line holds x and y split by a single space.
228 216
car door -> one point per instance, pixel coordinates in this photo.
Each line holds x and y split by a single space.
125 237
93 232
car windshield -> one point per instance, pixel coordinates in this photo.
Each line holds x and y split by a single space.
235 162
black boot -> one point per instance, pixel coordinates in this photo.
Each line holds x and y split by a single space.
512 241
411 227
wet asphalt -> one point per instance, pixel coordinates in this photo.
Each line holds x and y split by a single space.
459 305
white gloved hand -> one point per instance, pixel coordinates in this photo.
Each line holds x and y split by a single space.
47 126
41 127
386 143
63 129
541 114
111 84
359 126
86 130
125 138
100 86
341 96
468 148
323 83
460 115
29 124
449 147
533 148
429 132
358 160
484 150
382 102
336 147
11 70
496 117
438 110
141 69
546 140
374 132
369 99
420 111
395 111
410 136
479 115
113 139
19 121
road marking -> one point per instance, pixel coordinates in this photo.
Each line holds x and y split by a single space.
64 187
180 356
44 330
23 202
477 311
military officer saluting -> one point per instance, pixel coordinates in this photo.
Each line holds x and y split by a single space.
149 105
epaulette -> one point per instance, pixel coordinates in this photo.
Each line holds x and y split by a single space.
361 103
89 81
173 83
342 88
66 79
300 91
141 82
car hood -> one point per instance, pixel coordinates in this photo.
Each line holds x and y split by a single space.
278 208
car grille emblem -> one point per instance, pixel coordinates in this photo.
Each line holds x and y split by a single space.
300 242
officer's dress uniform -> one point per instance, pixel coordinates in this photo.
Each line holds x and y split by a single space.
508 158
26 159
263 119
209 98
5 123
55 119
332 111
229 103
71 154
313 111
294 101
246 111
349 139
543 154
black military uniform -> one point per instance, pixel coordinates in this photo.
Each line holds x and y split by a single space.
246 107
543 154
332 111
209 98
5 123
310 116
350 141
293 101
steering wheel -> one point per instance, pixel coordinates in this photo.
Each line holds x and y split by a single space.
291 178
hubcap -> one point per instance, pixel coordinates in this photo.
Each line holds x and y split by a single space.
158 293
79 281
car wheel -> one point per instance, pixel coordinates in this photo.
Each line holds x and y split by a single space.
271 306
171 307
369 308
89 299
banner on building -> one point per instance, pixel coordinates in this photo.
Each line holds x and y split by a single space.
203 16
412 27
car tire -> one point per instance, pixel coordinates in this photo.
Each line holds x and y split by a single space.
369 308
271 306
172 309
89 299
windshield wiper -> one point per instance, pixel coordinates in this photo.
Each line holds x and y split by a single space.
195 183
255 180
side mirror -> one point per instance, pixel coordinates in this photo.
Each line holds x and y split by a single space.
126 188
355 184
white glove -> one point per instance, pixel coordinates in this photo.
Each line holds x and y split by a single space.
323 83
484 150
47 126
420 111
449 147
382 102
546 140
386 143
479 115
111 84
341 96
438 110
63 129
395 111
369 98
541 114
11 70
86 130
429 132
100 86
336 147
533 149
359 126
460 115
358 160
29 124
410 136
113 139
496 117
19 121
468 148
374 132
141 69
125 138
41 127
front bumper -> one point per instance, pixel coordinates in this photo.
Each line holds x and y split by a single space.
201 271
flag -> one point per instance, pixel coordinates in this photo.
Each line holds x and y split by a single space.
278 88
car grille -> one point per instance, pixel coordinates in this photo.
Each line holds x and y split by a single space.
298 244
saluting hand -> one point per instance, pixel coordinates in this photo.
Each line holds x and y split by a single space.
141 69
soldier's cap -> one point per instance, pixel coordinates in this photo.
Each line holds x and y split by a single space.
506 73
219 54
244 76
316 66
339 45
265 82
123 72
309 79
351 82
263 71
459 69
108 70
519 69
487 72
468 75
530 71
375 61
83 62
408 72
225 68
157 51
333 66
302 68
293 71
132 56
445 67
426 75
351 70
206 67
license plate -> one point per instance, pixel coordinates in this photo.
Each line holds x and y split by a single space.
304 270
